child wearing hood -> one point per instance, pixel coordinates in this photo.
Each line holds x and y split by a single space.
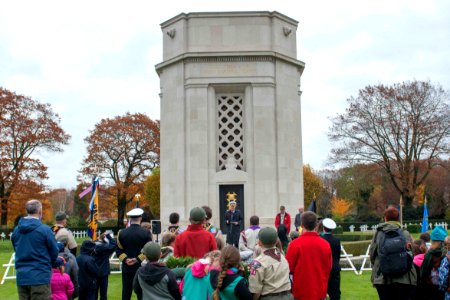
155 280
196 279
61 285
88 271
429 271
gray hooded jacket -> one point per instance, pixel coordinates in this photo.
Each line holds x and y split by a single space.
374 252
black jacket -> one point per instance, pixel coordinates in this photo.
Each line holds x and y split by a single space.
298 220
335 245
103 251
130 242
88 269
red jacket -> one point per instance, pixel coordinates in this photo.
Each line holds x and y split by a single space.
310 262
195 241
287 221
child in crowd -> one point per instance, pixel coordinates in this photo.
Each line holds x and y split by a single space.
228 282
429 271
248 240
88 272
282 235
196 280
71 266
155 280
167 242
174 228
419 248
426 237
220 243
208 225
269 272
61 286
293 235
444 271
104 247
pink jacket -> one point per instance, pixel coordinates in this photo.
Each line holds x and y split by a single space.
62 287
418 259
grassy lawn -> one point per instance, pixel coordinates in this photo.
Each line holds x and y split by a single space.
353 287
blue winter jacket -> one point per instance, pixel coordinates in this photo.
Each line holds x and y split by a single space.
36 251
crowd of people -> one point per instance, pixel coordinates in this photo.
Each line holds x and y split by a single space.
257 263
408 269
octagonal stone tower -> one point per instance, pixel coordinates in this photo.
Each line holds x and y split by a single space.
230 114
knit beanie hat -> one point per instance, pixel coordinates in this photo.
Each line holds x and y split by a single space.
197 214
152 251
268 236
438 234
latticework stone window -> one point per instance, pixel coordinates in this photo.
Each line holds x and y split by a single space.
230 130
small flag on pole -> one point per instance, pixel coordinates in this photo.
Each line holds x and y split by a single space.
93 207
425 217
312 207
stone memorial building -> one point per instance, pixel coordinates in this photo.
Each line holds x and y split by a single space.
230 114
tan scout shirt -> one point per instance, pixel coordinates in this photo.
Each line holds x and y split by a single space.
72 243
268 276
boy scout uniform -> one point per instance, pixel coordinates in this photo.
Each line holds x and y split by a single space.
269 272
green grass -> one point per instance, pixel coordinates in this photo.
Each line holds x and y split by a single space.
353 287
9 289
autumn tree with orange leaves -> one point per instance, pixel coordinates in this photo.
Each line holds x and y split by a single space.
26 127
340 208
124 149
399 128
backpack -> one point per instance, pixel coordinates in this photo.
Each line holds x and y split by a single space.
395 260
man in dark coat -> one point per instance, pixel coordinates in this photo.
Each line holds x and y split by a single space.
298 219
233 221
130 242
334 281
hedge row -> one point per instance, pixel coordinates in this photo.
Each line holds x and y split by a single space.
354 237
356 248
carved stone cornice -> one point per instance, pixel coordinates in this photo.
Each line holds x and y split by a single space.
211 57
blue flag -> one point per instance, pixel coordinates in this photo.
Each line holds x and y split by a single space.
312 207
425 217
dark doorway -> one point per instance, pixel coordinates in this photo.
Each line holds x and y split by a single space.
228 193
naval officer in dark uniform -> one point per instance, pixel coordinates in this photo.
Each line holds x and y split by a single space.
130 242
334 281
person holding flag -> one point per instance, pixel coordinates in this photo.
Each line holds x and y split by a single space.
93 207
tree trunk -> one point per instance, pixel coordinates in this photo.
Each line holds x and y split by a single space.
121 207
4 197
4 211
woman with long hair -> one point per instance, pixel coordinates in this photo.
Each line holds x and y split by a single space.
228 282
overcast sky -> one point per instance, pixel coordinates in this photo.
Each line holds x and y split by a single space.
95 59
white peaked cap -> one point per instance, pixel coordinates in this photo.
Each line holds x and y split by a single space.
135 212
328 223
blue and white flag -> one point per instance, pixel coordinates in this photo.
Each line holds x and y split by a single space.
425 217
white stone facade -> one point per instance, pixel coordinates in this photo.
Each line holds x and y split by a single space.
248 55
